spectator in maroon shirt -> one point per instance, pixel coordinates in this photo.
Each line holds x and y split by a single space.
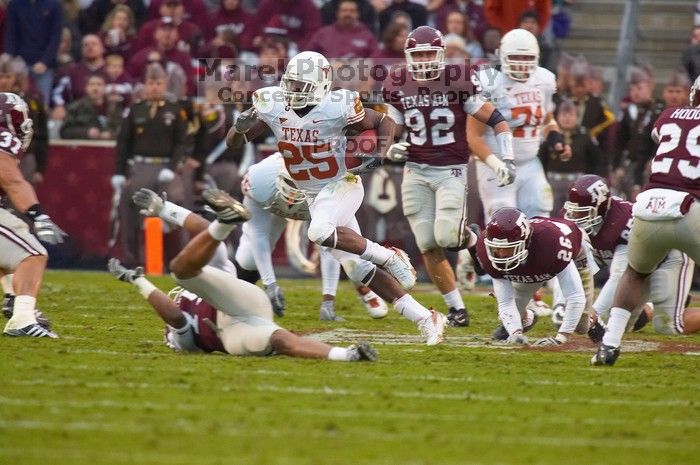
232 16
473 11
164 51
119 84
418 14
368 15
71 85
347 37
393 41
118 32
190 35
195 11
301 18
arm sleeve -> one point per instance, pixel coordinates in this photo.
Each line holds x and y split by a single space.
507 310
572 289
617 267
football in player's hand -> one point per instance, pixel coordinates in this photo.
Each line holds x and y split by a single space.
359 148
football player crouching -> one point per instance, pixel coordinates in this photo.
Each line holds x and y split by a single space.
521 254
608 220
272 199
216 311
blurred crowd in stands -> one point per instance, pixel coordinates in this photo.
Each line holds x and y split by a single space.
82 64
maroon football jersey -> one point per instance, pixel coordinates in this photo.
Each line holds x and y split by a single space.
12 146
553 244
614 231
434 113
205 337
677 162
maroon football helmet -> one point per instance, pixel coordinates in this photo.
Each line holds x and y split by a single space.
589 199
695 93
14 115
421 40
506 238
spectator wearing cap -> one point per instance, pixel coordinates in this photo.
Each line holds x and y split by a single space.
529 21
118 32
417 13
473 11
14 77
676 90
634 147
347 37
33 32
456 49
368 15
586 156
195 11
190 38
163 51
594 114
505 15
93 116
393 41
93 17
457 23
231 17
71 85
300 18
691 56
150 147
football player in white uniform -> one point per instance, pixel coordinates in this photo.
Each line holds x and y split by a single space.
216 311
434 187
272 198
310 122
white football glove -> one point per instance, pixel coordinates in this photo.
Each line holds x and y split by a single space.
151 204
398 152
166 175
246 120
506 173
118 181
123 273
47 231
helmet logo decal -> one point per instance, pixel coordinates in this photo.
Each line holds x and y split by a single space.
599 192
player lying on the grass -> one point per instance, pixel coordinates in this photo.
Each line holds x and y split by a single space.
666 216
22 254
521 254
607 221
272 198
216 311
310 122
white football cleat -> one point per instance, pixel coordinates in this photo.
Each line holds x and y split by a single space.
432 328
464 271
399 266
539 307
375 305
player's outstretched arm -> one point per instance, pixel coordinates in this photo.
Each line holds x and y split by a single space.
383 124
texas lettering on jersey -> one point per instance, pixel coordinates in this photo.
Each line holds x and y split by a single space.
677 162
553 244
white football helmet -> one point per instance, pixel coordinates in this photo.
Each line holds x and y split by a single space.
520 54
307 80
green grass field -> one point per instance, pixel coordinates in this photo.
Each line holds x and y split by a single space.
109 391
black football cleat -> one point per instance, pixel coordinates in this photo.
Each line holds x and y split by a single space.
596 332
458 317
32 330
606 355
362 351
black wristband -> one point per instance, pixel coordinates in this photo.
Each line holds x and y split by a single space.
34 211
553 138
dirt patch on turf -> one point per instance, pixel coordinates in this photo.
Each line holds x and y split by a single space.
575 344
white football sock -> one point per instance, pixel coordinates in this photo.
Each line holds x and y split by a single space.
220 231
453 299
617 322
330 274
145 286
376 253
6 282
338 354
23 311
175 214
410 308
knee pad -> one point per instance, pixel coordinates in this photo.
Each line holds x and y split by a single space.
358 270
663 323
251 276
320 231
424 233
447 232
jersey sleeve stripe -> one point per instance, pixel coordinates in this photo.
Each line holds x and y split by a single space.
356 118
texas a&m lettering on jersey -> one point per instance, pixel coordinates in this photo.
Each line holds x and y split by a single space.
313 145
434 113
677 162
553 244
